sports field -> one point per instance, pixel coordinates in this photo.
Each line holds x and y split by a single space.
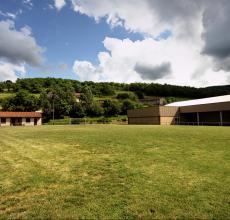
114 172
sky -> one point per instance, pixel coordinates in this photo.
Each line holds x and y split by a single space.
182 42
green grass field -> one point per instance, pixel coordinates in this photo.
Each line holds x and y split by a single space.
114 172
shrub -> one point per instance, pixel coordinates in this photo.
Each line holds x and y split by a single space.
106 90
95 110
126 95
104 120
75 121
124 119
111 108
139 94
127 105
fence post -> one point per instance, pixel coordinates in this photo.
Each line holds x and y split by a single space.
198 118
221 118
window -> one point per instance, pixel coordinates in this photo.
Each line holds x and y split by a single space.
3 120
27 120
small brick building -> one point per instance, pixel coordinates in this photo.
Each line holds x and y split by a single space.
20 118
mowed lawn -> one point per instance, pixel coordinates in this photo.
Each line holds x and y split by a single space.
115 172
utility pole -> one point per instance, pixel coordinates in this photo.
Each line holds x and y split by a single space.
53 110
51 95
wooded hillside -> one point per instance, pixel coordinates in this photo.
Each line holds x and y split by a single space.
78 99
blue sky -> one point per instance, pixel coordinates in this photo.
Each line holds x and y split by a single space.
176 42
65 35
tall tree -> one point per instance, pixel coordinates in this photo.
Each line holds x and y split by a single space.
22 101
58 100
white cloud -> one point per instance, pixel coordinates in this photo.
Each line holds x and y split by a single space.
18 49
50 7
11 15
11 72
59 4
146 16
119 63
28 3
86 71
8 15
189 56
19 46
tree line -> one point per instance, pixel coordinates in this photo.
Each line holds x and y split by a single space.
37 85
59 95
59 100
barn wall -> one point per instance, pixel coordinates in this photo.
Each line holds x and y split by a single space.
209 114
224 106
153 115
167 120
188 117
144 121
206 118
226 117
144 112
169 111
210 117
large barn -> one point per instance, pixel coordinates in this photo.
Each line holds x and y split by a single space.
207 111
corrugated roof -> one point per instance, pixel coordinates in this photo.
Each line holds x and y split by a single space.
21 114
217 99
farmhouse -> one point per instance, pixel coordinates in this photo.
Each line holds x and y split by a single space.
20 118
207 111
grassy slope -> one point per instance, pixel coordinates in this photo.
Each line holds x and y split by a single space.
5 95
109 171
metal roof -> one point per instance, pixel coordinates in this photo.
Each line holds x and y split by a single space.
20 114
217 99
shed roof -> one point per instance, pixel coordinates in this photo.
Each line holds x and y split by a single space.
217 99
21 114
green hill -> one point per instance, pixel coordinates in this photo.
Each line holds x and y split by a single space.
78 99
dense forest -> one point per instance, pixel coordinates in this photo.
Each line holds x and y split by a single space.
93 99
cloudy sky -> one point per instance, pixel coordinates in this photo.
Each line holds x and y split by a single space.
184 42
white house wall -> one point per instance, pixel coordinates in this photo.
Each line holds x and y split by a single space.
39 121
5 124
24 123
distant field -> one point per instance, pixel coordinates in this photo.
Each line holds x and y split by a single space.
114 172
5 95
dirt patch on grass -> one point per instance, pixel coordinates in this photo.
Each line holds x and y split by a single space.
97 177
